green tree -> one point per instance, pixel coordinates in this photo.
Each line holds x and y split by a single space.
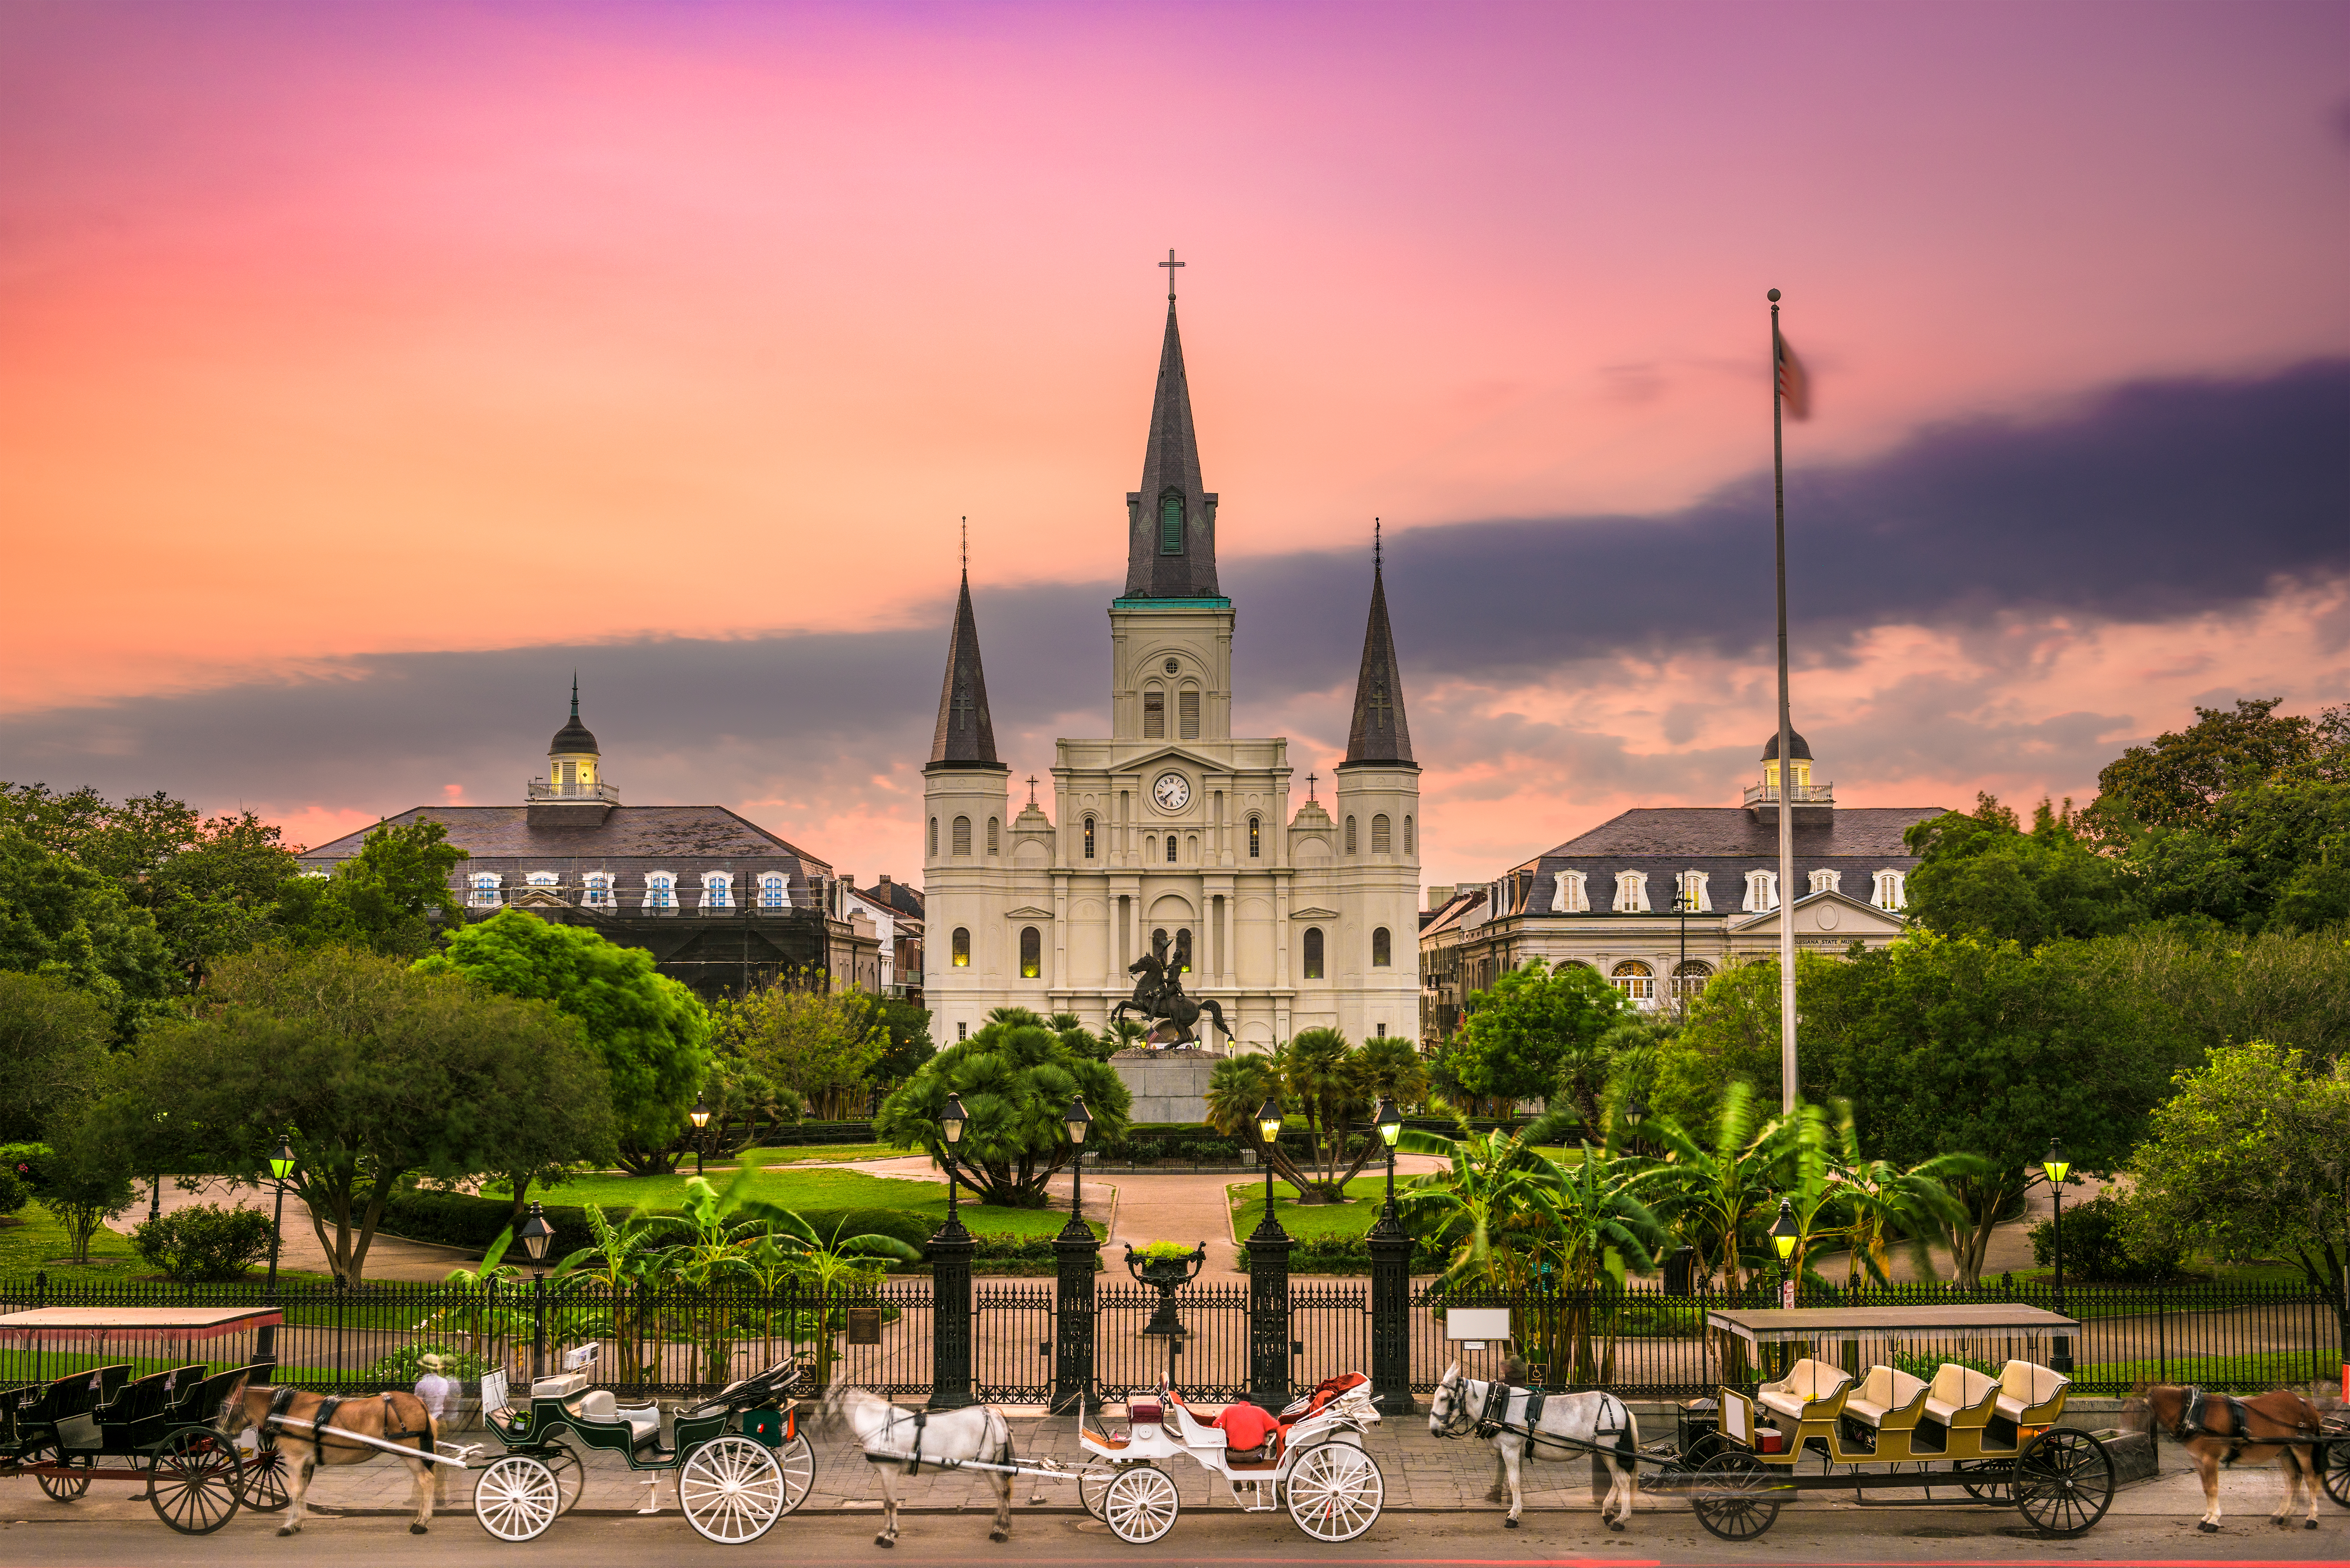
2212 987
1238 1088
909 1029
816 1044
2250 1159
2179 780
126 841
1519 1033
1492 1182
53 1037
386 898
1016 1081
85 1179
652 1032
220 893
2275 855
1979 876
59 918
377 1074
1713 1190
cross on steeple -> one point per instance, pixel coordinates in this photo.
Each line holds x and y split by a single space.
1309 784
1379 707
966 547
1375 544
962 704
1032 789
1170 264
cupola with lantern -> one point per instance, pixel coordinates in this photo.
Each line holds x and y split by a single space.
573 794
1814 803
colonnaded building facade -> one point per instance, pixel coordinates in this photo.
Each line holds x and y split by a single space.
1172 827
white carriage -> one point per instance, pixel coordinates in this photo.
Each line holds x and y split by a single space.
1313 1464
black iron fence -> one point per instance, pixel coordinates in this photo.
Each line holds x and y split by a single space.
884 1337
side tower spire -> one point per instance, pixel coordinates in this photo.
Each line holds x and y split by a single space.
965 737
1379 734
1170 519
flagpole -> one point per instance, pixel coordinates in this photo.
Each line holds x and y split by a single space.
1787 736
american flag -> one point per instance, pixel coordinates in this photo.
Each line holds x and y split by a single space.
1795 386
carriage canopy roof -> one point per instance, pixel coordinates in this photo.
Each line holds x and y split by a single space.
174 1323
1777 1325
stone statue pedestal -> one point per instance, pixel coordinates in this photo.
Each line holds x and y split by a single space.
1168 1086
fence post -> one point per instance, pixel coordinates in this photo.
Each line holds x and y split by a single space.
1075 1252
949 1252
1268 1247
1390 1246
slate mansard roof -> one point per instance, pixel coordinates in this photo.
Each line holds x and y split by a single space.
1725 842
686 840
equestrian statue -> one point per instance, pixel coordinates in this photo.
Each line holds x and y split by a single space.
1159 996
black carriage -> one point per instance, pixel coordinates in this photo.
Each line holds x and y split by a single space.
63 1432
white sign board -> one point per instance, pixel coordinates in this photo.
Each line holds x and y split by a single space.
1477 1323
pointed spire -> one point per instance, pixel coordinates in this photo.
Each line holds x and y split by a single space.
1379 734
1170 474
575 696
965 737
574 739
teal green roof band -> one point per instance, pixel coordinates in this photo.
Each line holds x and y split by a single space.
1170 604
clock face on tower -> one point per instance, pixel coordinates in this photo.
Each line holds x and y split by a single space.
1172 792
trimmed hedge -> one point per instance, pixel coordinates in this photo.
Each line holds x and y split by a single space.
465 1220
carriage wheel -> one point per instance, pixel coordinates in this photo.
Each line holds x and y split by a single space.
516 1498
61 1489
570 1478
1334 1491
732 1489
195 1481
1093 1490
1993 1488
265 1481
797 1461
1140 1504
2064 1483
2334 1470
1729 1496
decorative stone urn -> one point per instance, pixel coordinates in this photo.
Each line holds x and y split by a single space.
1167 1273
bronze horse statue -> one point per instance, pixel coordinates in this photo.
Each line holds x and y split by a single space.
2219 1430
1159 994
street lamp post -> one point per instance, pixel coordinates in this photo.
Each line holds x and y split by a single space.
281 1168
155 1187
1268 1245
1075 1252
1079 1121
535 1234
699 1117
1390 1249
950 1252
2055 1167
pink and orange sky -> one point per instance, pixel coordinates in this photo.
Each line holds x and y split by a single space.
365 368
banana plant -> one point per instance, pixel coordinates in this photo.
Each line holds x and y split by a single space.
835 1266
619 1266
1713 1190
1492 1181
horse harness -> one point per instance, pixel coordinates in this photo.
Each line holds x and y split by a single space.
921 1420
1494 1419
282 1401
2191 1424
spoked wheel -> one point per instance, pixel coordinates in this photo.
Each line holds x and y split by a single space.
61 1489
2064 1483
2334 1470
265 1481
1731 1496
516 1498
570 1478
1334 1491
195 1481
1093 1490
732 1489
1986 1481
1140 1504
797 1461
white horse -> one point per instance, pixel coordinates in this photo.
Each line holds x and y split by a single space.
1464 1407
899 1441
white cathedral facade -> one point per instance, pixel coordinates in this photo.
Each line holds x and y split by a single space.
1295 916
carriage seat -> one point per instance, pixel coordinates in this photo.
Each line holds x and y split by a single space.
1887 1395
498 1406
1189 1430
643 1420
1959 1395
2026 1390
1812 1390
1252 1435
1328 1389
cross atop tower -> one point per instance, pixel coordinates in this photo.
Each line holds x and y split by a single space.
1380 708
1309 784
1170 264
1032 789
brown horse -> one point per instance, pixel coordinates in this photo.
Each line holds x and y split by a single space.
2217 1430
396 1417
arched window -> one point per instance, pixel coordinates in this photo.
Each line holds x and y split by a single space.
717 890
1256 838
1314 952
994 844
1350 835
1631 892
1154 714
962 835
962 947
934 836
1409 848
661 890
1089 838
1634 980
1689 978
1382 949
1762 892
1183 960
1187 714
1692 895
598 893
1032 958
1888 892
1382 834
1170 849
485 891
1824 881
1170 525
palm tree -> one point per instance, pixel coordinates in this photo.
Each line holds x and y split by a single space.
1602 1232
1712 1191
620 1262
1236 1089
1492 1181
792 1249
1885 1200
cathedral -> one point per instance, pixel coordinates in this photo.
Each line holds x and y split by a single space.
1169 833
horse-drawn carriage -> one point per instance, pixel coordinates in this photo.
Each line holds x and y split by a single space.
157 1423
738 1456
1994 1437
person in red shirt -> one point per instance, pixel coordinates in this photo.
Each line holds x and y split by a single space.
1244 1426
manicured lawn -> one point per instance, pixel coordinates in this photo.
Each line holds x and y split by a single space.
27 1248
829 1153
1353 1217
802 1188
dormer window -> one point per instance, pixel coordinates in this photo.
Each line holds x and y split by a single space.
1631 893
1694 896
1574 896
661 890
1762 892
1890 893
484 893
1827 881
597 891
1170 525
717 890
774 891
544 880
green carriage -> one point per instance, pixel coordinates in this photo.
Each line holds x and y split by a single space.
738 1456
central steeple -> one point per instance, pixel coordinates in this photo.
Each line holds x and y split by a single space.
1171 550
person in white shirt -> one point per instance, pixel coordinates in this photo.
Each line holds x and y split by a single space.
435 1390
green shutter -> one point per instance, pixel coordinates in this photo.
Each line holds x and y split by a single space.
1170 525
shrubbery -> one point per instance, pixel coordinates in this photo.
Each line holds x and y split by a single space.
203 1243
14 1192
2096 1249
406 1364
